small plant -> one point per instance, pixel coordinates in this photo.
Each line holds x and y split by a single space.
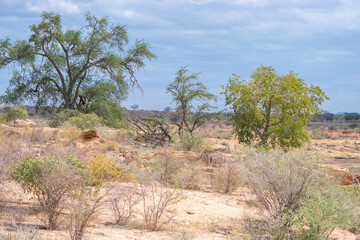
105 169
61 117
320 214
18 112
226 177
189 142
86 121
51 179
122 204
156 200
286 178
70 133
83 208
320 133
2 118
224 135
353 125
332 127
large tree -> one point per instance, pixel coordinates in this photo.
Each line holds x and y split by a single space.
192 100
73 68
272 108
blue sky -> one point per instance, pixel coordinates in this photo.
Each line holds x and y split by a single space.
316 38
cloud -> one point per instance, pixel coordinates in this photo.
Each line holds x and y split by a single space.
52 5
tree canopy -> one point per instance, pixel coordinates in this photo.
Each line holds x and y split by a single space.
272 108
192 100
81 68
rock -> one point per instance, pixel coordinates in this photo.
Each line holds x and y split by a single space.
89 135
23 123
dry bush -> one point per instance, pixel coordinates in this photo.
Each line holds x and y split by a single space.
156 199
51 180
279 180
71 133
22 233
226 178
175 171
123 202
84 208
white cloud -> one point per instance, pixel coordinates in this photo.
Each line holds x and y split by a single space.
53 5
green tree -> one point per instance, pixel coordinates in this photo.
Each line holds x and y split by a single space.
272 108
186 93
71 68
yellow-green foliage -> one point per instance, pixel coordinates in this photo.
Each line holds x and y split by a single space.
18 112
105 169
71 133
2 118
84 121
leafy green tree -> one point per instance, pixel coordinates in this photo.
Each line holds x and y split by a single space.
352 116
272 108
187 93
70 68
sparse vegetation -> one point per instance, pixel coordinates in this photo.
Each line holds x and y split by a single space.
51 180
104 169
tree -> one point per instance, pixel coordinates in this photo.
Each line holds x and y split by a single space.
352 116
135 107
73 68
272 108
186 92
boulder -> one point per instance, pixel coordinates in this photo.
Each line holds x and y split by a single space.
23 123
89 135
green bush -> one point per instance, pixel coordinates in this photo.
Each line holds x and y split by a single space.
320 214
332 127
190 141
85 121
52 179
61 117
18 112
2 118
353 125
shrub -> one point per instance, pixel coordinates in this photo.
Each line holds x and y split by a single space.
353 125
320 133
332 128
70 133
2 118
155 201
61 117
189 142
224 135
105 169
83 210
122 204
226 177
320 214
279 181
51 179
86 121
18 112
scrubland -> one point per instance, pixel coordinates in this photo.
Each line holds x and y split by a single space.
208 186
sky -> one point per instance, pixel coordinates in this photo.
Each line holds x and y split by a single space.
319 39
